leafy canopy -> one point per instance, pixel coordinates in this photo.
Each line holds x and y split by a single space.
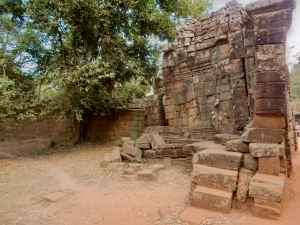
78 56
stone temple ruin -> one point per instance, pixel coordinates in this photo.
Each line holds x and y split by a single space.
221 108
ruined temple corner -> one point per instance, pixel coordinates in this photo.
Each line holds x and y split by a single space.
225 78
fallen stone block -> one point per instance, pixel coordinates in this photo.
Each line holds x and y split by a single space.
199 146
249 162
219 159
131 150
135 166
53 197
269 165
266 209
211 199
245 177
143 142
156 140
263 135
106 160
146 175
122 140
223 138
149 154
237 145
115 154
157 167
126 156
267 187
129 171
194 216
115 167
214 177
266 150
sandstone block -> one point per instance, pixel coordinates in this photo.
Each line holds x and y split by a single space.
267 187
266 150
116 167
149 154
156 167
122 140
270 36
131 150
106 160
223 138
115 155
156 140
214 177
270 90
270 76
129 171
237 146
263 135
269 165
219 159
245 176
268 121
249 162
127 157
135 166
146 175
266 209
270 105
169 47
211 199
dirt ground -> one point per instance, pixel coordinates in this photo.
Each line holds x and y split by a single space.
30 170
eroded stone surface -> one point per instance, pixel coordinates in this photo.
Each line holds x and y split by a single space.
267 187
214 177
266 150
269 165
245 176
146 175
211 199
237 145
219 159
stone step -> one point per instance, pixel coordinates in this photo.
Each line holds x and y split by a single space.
267 187
266 209
218 158
266 150
194 216
236 145
199 146
214 177
223 138
211 199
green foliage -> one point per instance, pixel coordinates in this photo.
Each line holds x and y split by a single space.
80 57
295 86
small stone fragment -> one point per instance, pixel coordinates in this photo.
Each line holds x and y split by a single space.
146 175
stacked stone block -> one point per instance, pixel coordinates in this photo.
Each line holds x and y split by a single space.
204 74
214 176
125 123
270 135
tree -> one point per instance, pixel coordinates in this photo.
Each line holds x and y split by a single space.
295 86
81 51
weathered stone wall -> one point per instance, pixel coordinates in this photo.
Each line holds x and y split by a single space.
204 75
44 127
129 123
126 123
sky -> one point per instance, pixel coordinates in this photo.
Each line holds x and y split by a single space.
293 38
